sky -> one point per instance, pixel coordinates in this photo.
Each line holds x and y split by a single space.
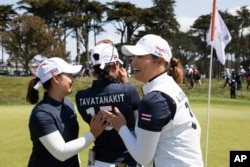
187 11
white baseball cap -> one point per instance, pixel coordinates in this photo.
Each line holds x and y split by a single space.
149 44
54 66
104 53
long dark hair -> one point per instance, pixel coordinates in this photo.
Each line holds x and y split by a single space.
175 69
32 95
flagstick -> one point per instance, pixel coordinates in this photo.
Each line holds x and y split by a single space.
210 77
208 103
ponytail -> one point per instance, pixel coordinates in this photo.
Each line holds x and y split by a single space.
175 69
32 94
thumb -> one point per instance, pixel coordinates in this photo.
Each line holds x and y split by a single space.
117 112
122 69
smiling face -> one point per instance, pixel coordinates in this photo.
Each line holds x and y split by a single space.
61 86
146 67
66 83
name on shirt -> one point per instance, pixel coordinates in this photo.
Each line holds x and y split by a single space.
181 96
98 100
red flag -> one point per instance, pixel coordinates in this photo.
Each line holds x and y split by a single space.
219 34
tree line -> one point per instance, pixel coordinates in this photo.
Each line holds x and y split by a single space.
43 27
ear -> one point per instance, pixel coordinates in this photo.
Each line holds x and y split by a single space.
160 61
55 79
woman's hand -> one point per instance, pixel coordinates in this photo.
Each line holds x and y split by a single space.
123 75
116 119
97 124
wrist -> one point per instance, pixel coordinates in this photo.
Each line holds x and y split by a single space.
93 134
124 79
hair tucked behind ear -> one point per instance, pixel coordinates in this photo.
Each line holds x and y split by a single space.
32 94
175 69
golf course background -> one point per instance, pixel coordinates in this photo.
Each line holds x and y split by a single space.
228 122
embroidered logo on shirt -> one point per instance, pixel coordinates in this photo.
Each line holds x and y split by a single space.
146 117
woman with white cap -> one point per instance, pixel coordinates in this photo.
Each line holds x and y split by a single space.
167 132
53 124
109 89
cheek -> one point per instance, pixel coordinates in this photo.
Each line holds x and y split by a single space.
136 59
66 82
148 65
147 69
133 62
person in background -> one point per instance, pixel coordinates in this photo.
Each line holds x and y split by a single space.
197 78
110 88
248 77
86 69
167 132
186 76
239 77
53 123
233 86
191 77
227 76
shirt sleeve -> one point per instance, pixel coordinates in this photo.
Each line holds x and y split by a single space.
156 110
139 146
42 123
55 144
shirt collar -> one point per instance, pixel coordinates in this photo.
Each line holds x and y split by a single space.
99 82
52 101
153 82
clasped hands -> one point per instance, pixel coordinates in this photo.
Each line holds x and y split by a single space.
115 119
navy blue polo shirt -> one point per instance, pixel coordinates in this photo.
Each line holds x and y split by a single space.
47 117
102 95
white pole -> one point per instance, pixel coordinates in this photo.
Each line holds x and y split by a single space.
208 103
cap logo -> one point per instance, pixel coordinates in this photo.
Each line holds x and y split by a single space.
142 40
115 57
158 48
96 56
54 71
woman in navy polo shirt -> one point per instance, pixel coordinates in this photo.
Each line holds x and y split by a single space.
109 88
53 124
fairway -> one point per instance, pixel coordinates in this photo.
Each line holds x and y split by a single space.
228 130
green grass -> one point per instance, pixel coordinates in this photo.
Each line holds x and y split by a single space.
228 124
228 130
13 90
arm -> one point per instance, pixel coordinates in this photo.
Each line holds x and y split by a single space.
143 146
56 145
61 150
